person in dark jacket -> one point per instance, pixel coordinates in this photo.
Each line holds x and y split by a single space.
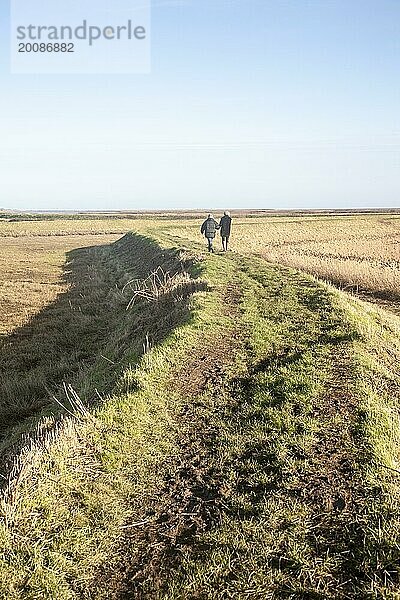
209 229
225 226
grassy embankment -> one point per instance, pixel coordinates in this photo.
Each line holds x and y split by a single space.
360 253
246 454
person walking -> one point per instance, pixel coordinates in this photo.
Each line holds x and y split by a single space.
208 229
225 226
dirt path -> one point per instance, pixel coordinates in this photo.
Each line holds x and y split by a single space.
229 472
189 502
332 486
392 305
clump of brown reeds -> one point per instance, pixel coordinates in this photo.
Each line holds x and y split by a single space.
158 284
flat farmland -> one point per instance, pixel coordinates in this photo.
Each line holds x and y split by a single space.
33 261
358 253
32 273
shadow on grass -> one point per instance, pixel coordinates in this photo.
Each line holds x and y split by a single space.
87 336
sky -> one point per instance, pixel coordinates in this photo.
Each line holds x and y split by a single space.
266 104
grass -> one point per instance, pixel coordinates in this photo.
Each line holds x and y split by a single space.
90 470
304 499
89 322
33 274
235 434
359 253
356 252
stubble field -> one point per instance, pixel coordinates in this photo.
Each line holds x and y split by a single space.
357 253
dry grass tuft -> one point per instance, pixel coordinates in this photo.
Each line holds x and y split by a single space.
158 283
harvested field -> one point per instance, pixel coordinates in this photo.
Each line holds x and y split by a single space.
360 254
32 273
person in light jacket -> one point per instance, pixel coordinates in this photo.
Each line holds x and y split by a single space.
209 229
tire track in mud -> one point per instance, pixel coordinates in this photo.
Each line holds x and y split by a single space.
332 482
327 483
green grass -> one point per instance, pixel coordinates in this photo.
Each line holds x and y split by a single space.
73 490
280 535
216 463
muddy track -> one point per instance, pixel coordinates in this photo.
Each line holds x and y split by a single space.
184 507
332 487
326 483
189 501
390 303
195 496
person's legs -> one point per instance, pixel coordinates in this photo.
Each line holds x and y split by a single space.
226 244
210 244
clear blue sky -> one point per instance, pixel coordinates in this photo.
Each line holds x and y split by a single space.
250 104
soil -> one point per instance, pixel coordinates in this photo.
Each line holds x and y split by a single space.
189 502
